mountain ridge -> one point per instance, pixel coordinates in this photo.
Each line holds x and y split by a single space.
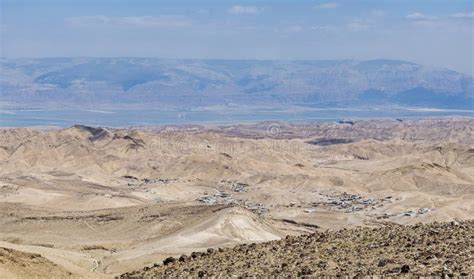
198 82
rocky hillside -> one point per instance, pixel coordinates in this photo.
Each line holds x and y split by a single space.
391 250
190 83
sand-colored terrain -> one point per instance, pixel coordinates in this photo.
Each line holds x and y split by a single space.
16 264
99 202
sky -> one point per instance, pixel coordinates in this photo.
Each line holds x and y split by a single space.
430 32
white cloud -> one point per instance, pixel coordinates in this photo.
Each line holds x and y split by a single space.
463 15
419 16
359 25
293 29
322 27
427 23
239 9
88 20
329 5
296 28
134 21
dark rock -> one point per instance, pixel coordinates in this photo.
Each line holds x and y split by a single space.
169 260
383 262
195 254
305 271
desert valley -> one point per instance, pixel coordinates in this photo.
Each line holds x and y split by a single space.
101 202
236 139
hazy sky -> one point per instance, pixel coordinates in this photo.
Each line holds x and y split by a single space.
430 32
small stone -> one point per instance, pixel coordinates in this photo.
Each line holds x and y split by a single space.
405 268
382 262
305 271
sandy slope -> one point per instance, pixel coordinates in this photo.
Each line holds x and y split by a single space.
17 264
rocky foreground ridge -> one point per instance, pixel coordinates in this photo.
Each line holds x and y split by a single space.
435 249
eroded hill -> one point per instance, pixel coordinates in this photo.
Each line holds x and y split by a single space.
101 201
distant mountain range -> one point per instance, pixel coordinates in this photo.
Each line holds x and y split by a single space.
189 83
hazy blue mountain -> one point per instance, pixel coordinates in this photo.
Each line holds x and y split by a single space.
187 83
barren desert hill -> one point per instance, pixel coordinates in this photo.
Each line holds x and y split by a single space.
16 264
437 249
104 201
101 243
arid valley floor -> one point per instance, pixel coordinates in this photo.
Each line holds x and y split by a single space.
102 202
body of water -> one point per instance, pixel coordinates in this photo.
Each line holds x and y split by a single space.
139 117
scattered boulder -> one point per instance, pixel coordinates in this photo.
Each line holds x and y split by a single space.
169 260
